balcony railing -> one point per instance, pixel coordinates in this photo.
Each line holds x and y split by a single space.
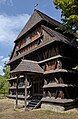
27 44
14 96
12 87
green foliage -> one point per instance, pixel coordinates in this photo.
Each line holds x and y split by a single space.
69 13
4 84
6 71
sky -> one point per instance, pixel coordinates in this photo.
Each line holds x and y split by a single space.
13 16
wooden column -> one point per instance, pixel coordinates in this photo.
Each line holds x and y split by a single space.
17 92
44 94
26 83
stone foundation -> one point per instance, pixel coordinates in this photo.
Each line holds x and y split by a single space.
21 103
52 107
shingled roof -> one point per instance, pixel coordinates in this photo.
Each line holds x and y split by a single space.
58 37
37 17
52 85
28 66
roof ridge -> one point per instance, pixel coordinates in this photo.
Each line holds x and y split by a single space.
44 17
29 61
43 14
26 25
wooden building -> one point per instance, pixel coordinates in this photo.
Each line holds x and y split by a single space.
42 65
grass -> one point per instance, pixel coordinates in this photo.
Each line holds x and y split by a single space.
7 112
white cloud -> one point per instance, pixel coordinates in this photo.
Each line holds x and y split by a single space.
2 63
10 26
5 60
1 57
1 70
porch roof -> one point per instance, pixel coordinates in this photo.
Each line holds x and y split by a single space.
28 66
53 85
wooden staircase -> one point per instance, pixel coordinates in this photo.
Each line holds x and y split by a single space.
34 104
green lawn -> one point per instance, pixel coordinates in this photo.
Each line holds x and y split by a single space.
7 112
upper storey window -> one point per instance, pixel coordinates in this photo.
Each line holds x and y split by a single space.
29 42
31 37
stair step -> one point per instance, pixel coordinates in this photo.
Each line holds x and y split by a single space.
35 101
32 104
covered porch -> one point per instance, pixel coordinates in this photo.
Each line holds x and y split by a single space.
33 81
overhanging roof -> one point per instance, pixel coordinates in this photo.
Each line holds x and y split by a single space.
55 85
60 71
45 43
35 18
28 66
57 38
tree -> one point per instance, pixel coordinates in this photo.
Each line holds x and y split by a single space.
6 71
4 84
69 14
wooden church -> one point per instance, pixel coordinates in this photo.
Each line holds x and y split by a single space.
42 65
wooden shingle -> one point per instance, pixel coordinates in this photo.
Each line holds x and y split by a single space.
28 66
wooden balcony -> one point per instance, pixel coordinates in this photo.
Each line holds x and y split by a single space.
14 96
21 76
55 85
13 78
29 86
59 71
49 59
58 100
22 97
12 87
44 43
27 45
20 87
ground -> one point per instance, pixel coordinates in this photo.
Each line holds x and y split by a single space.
7 111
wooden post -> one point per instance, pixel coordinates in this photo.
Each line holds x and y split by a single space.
44 94
17 92
26 82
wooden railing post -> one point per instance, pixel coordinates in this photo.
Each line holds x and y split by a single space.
17 92
26 82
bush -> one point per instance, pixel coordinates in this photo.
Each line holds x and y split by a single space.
4 85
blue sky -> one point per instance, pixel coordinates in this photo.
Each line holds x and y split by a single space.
13 16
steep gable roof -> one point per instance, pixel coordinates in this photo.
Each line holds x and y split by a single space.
48 19
57 36
35 18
